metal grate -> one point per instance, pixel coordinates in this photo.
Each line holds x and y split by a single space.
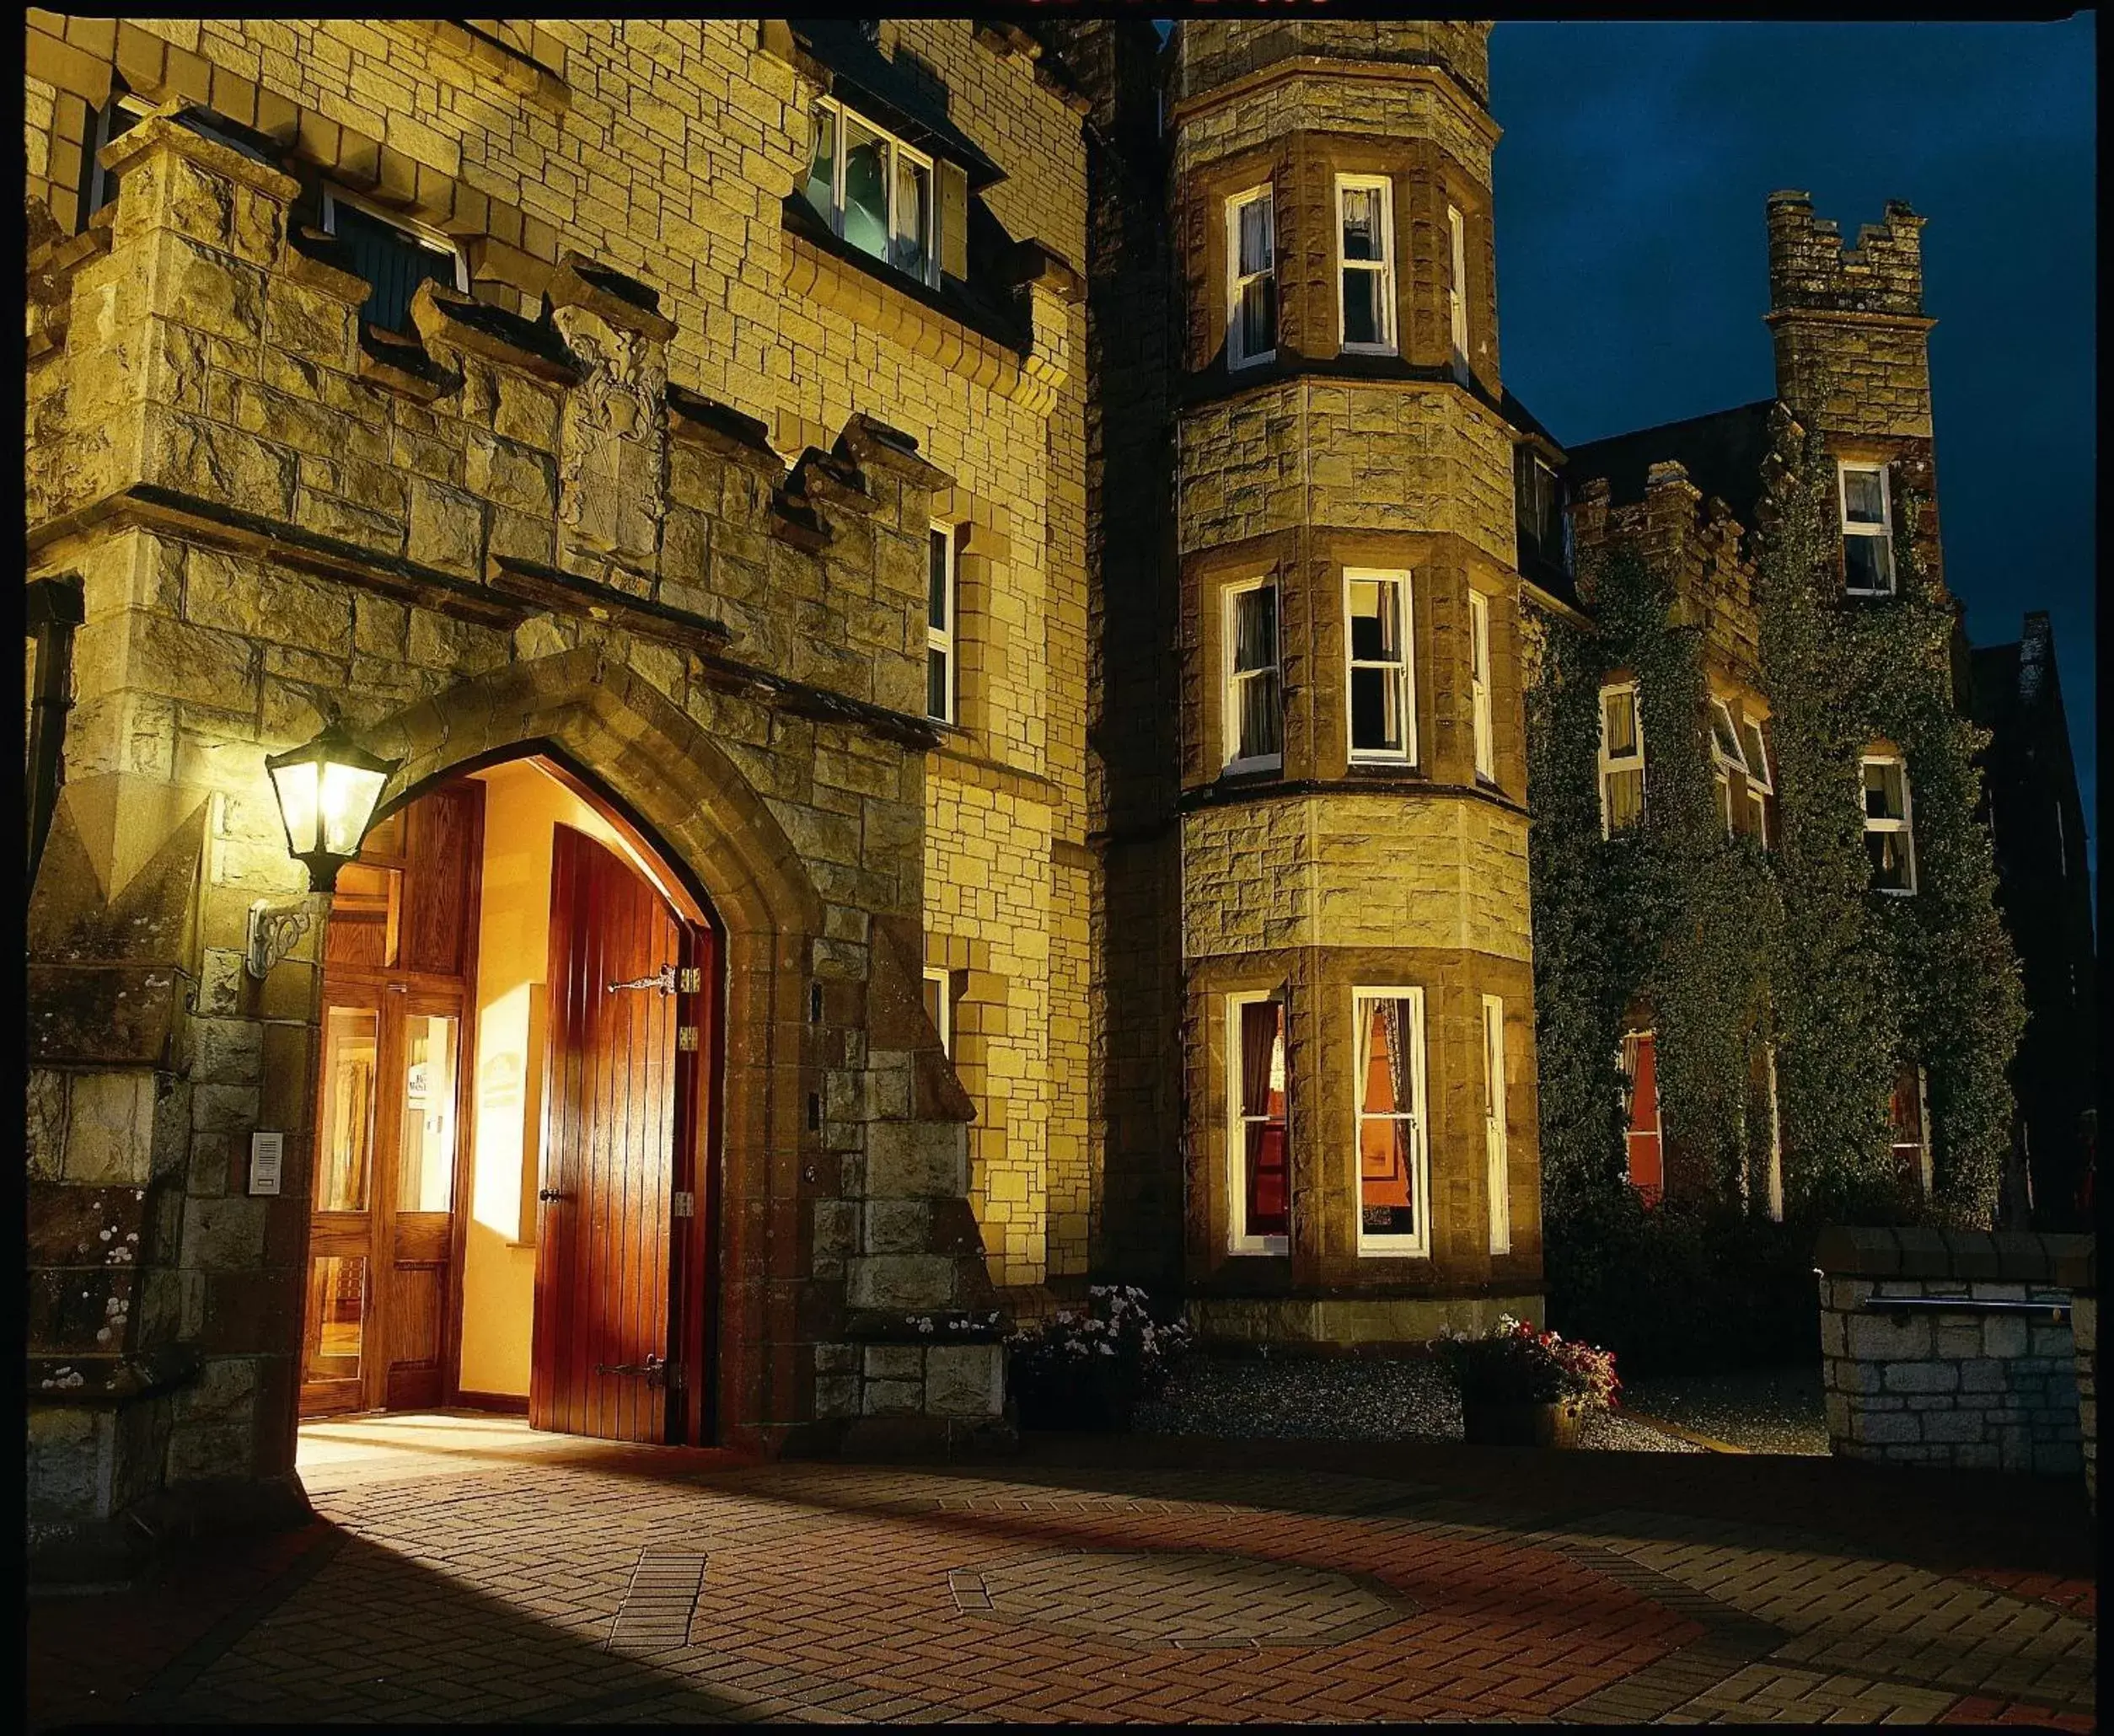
655 1614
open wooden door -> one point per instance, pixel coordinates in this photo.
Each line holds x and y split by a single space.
621 990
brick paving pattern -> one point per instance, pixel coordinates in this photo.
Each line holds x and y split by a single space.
632 1586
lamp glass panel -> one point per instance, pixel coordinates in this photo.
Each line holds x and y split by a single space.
298 805
349 794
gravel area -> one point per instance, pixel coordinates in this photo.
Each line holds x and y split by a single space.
1344 1398
1763 1410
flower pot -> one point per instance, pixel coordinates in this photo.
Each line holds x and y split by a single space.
1489 1423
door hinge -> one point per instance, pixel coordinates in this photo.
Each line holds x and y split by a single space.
690 979
686 1038
685 1204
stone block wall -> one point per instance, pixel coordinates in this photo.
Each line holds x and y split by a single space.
1963 1383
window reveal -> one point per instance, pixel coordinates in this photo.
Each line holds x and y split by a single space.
1365 253
1621 759
1380 693
939 628
939 1005
1868 531
1910 1112
1253 722
1251 256
1479 683
1493 1140
1392 1186
1643 1139
1888 840
1458 292
1260 1158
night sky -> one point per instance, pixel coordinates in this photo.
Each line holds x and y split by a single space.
1632 258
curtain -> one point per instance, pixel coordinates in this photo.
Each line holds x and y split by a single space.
1383 1140
1261 1038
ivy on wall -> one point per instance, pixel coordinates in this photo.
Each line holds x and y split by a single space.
1731 947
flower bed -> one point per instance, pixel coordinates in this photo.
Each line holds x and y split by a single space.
1087 1369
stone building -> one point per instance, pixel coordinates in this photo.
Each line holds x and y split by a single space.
937 620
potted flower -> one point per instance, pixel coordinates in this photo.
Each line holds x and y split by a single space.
1523 1388
1087 1369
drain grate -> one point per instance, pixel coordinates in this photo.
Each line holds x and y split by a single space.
655 1614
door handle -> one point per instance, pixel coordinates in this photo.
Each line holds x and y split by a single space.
654 1368
550 1193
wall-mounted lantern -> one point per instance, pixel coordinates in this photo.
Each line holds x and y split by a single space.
327 793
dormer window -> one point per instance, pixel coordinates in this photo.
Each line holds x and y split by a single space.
874 191
393 256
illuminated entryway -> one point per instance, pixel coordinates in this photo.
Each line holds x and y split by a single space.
513 1191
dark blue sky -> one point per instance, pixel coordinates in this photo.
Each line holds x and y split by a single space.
1632 262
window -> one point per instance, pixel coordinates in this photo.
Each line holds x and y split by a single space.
1479 683
1250 273
1621 759
1868 531
1761 783
1888 840
1394 1182
939 1005
1537 499
1910 1112
1494 1148
1254 736
1776 1141
939 625
1638 1063
1458 292
1382 694
122 112
393 256
875 192
1258 1161
1728 756
1366 230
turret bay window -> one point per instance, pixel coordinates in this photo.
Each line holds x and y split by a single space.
1479 683
1761 782
875 192
1868 530
939 625
393 256
1393 1170
1258 1147
1380 683
1621 758
1727 757
1255 724
1250 272
1457 291
1643 1136
1889 838
1494 1142
1366 234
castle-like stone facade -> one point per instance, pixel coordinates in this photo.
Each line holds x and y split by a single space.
1026 526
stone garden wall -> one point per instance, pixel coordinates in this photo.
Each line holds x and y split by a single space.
1956 1348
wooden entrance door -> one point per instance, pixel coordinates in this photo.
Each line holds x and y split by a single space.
391 1106
618 997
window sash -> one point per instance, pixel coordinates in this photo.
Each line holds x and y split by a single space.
1458 290
1496 1167
1240 1118
1397 672
910 238
1896 830
1622 771
1416 1243
1254 722
1644 1130
1251 278
942 591
1912 1151
1873 537
1379 268
1479 682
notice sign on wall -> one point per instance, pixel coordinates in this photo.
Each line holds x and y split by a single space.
267 1157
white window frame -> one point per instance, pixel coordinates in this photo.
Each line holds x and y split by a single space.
1405 627
944 978
834 216
430 239
1235 356
1230 680
1494 1142
1906 825
1884 530
942 638
1725 764
1628 763
1479 684
1457 291
1382 268
1398 1247
1761 782
1238 1240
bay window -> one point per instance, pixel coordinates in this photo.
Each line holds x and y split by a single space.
1394 1168
1381 687
1366 252
1258 1149
1251 274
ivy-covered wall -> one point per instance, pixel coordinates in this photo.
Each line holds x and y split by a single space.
1731 947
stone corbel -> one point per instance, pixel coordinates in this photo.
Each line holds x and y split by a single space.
875 446
448 318
723 431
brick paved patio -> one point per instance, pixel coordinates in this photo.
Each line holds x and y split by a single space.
465 1569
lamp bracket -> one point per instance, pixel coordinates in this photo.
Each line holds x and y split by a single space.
275 924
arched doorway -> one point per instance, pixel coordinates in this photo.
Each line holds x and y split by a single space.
522 1033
